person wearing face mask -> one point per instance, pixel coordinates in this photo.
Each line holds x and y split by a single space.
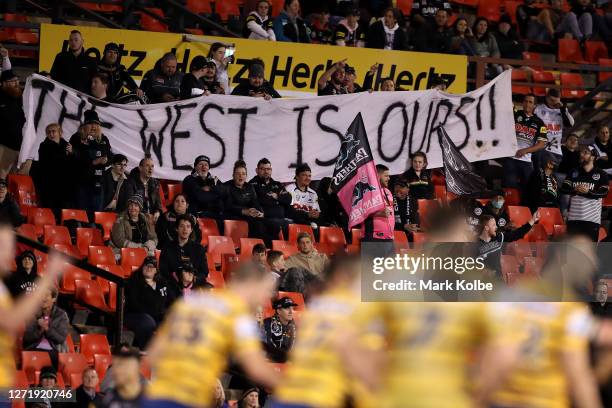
496 209
256 85
166 224
542 188
204 192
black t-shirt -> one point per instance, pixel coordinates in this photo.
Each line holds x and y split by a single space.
350 38
190 82
330 89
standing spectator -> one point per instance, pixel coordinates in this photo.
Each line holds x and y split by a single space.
555 116
73 67
183 250
307 256
378 227
146 299
276 264
349 33
163 82
99 87
256 85
201 79
86 393
279 330
405 209
571 154
587 185
304 207
48 330
604 149
258 25
55 166
579 21
332 80
419 178
132 229
288 26
118 77
129 389
203 191
24 278
112 182
460 42
141 182
186 282
12 119
531 137
272 197
332 212
166 224
217 54
320 30
485 45
435 36
424 11
241 203
5 61
508 41
9 209
542 188
387 34
496 209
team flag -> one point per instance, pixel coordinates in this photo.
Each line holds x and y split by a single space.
460 176
355 178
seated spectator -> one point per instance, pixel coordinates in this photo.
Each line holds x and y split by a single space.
288 26
182 250
308 257
48 330
304 207
163 82
256 85
496 209
272 197
46 380
129 388
320 30
604 149
300 280
258 25
12 119
332 212
276 264
539 24
55 165
86 393
332 80
601 307
241 203
5 61
141 182
485 45
279 330
348 32
578 22
542 188
186 283
217 55
249 399
406 209
435 36
419 178
132 229
424 11
166 224
9 209
201 79
112 182
73 67
24 278
219 400
386 32
508 41
146 299
117 74
203 191
258 255
99 87
460 42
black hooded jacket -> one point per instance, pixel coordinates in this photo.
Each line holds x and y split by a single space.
21 281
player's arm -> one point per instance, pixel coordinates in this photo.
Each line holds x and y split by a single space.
581 379
361 361
496 362
249 355
26 306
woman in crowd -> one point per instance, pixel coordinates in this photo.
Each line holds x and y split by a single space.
146 300
217 54
419 178
24 278
258 24
461 40
387 33
132 229
166 224
219 400
485 45
187 282
113 180
9 208
249 399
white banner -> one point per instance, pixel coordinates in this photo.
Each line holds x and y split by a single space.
286 131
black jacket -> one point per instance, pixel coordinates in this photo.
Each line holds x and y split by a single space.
430 39
142 298
510 45
190 81
542 190
173 255
166 228
238 199
20 281
10 210
96 150
606 150
12 119
133 185
75 72
200 200
245 88
56 170
272 207
420 186
570 160
81 163
502 218
83 399
376 37
491 251
406 211
278 338
59 326
109 187
155 84
332 212
118 78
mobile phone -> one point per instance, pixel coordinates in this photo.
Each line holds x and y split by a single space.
229 54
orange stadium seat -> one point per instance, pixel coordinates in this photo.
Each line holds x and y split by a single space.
40 217
220 245
440 192
194 31
519 75
569 51
295 229
542 77
32 361
173 190
569 82
199 6
216 279
604 76
70 276
89 292
111 8
92 344
132 258
512 196
112 297
21 379
426 209
28 231
101 255
532 56
26 38
101 362
228 263
603 234
106 219
26 200
333 236
419 237
607 201
277 7
519 215
246 247
490 9
437 178
400 240
145 367
356 236
70 343
227 8
55 234
405 6
533 266
286 247
71 363
510 7
114 269
67 249
19 182
296 297
469 3
208 227
559 230
86 237
76 380
236 229
150 23
549 217
594 50
71 214
537 234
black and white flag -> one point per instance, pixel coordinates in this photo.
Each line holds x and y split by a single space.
460 176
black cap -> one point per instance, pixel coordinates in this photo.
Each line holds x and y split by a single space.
111 47
247 392
505 18
48 372
150 260
91 116
201 158
283 303
197 63
3 183
186 267
8 75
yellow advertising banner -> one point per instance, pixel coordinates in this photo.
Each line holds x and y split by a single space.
292 68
